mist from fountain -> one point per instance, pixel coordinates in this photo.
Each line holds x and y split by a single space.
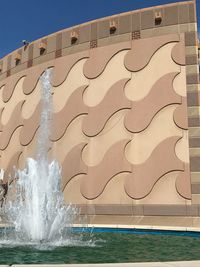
38 211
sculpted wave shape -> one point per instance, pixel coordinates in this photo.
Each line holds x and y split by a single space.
73 108
99 58
163 160
160 96
140 54
98 176
113 101
73 164
14 122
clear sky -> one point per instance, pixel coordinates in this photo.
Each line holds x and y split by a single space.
30 20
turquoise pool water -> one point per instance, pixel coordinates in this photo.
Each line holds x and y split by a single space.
108 246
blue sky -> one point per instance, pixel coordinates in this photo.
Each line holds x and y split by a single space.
31 20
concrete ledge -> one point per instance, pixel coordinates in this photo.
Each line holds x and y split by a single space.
168 223
142 227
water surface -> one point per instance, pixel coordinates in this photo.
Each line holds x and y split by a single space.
104 247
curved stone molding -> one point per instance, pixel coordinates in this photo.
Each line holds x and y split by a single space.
2 85
2 104
143 143
113 132
179 82
14 122
17 96
10 87
114 192
183 183
100 56
178 51
72 137
10 169
33 76
32 100
164 192
63 66
113 101
13 147
143 49
98 176
30 126
113 72
182 147
140 182
180 115
73 108
73 164
73 81
1 125
142 81
160 96
72 192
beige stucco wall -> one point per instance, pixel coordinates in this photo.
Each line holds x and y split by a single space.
120 123
92 125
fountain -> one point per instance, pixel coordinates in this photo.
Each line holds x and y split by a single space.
38 212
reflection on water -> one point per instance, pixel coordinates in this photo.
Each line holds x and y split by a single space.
107 248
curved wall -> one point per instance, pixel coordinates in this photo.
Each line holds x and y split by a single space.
126 111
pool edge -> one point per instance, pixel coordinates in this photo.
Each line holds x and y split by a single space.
131 227
141 227
146 264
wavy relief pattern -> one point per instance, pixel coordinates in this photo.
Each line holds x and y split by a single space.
179 82
113 101
1 125
14 147
183 183
74 80
63 65
142 81
10 105
2 104
143 143
180 115
98 176
77 166
32 76
142 50
178 52
9 87
140 182
30 126
71 138
113 132
8 129
113 72
164 192
160 96
180 150
73 108
99 58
